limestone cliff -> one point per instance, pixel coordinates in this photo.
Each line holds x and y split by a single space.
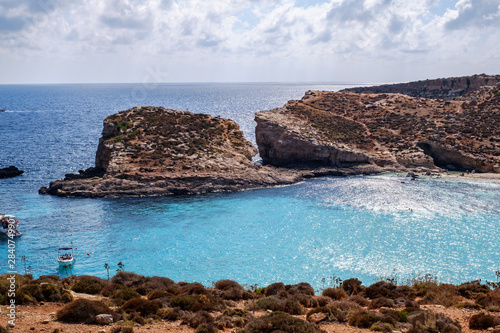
445 88
148 151
393 131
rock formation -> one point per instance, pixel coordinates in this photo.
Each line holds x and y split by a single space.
391 131
9 172
447 88
150 151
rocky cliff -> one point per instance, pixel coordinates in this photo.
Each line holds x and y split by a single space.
447 88
148 151
390 131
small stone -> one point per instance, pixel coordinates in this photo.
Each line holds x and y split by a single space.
46 321
102 330
317 317
104 319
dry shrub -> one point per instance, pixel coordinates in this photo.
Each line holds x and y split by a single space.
359 300
472 290
88 285
272 303
302 288
121 296
382 327
193 289
169 314
293 307
274 289
142 284
428 322
280 322
196 303
381 302
122 329
54 279
483 321
83 311
143 307
233 318
334 293
351 286
308 301
46 292
206 328
110 289
197 318
364 319
323 300
491 299
155 294
382 289
442 294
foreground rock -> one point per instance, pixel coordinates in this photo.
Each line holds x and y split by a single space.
9 172
152 151
387 131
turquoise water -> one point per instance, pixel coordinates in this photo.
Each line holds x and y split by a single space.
366 227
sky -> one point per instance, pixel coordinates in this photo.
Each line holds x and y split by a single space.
151 41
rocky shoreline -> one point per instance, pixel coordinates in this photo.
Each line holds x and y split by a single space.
153 151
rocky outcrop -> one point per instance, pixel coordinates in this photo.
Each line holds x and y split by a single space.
293 142
10 172
152 151
446 88
390 131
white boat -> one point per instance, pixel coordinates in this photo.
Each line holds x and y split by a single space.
9 222
65 257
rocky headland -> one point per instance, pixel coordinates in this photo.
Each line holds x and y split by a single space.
445 88
153 151
388 131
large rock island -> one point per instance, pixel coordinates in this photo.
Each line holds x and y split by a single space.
388 131
152 151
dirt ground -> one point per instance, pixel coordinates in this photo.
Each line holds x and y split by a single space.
42 318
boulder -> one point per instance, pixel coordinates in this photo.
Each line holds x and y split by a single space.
9 172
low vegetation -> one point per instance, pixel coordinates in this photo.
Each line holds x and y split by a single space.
383 306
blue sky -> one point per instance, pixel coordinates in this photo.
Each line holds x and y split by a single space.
59 41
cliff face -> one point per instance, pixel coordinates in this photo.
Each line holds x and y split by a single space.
447 88
147 151
394 131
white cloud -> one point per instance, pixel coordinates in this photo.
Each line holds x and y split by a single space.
248 39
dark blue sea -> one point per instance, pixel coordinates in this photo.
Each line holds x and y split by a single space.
369 227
